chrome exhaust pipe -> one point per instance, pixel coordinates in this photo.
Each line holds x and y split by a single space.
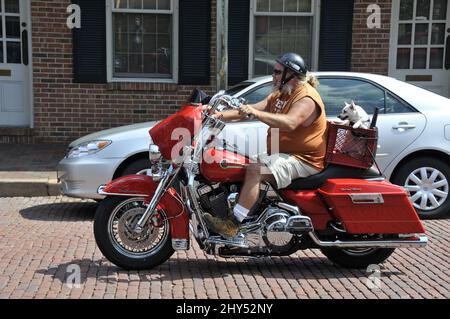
421 241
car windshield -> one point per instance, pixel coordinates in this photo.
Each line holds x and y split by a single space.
237 88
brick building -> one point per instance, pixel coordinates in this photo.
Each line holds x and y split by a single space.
138 60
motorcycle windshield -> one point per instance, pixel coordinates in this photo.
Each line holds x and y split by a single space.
176 131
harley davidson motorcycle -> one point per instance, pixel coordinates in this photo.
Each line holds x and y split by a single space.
354 216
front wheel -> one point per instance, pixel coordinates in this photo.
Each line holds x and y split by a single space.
357 257
114 223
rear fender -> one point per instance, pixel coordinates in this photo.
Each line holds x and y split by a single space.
144 186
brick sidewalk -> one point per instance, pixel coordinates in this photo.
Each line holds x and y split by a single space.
41 238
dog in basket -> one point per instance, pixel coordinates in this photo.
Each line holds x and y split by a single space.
354 115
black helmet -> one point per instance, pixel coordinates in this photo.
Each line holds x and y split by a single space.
293 62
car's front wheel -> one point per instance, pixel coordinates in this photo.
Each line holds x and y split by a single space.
139 166
427 179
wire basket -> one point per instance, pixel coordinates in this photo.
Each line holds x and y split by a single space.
351 147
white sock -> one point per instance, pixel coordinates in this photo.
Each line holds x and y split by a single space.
240 212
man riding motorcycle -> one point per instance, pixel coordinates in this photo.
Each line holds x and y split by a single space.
296 109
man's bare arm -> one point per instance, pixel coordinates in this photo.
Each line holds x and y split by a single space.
302 112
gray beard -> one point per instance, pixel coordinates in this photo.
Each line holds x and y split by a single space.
286 90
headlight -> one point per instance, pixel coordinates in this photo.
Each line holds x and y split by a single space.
87 148
153 153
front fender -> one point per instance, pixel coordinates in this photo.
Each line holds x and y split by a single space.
144 186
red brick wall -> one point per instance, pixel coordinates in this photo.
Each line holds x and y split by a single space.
370 52
64 110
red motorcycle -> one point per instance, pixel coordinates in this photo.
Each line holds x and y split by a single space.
354 216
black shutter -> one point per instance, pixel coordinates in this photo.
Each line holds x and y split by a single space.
335 51
238 40
89 43
195 40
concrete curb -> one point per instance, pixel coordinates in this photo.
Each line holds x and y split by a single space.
29 188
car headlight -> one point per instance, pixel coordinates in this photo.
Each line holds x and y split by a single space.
87 148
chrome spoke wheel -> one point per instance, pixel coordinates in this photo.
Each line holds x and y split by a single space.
428 188
125 240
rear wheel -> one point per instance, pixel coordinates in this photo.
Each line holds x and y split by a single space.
428 181
357 257
114 223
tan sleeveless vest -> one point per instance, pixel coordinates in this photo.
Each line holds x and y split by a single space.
308 144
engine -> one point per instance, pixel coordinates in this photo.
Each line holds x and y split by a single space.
274 232
273 228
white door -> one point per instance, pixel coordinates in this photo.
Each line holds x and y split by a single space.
15 79
420 33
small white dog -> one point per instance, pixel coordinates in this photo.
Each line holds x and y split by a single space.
354 115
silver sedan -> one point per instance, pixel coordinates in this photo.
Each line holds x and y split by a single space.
413 151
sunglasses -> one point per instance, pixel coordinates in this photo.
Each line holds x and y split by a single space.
277 72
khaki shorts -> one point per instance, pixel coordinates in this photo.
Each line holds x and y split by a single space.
285 168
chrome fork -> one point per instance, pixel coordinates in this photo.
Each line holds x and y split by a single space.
163 185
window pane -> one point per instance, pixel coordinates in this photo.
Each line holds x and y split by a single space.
150 4
406 9
423 9
12 6
13 27
1 27
304 6
13 52
276 5
439 9
403 58
394 105
150 24
421 35
144 45
135 4
420 58
275 25
121 4
1 53
121 42
282 34
150 63
438 33
335 92
404 33
120 63
164 4
262 25
136 65
436 58
164 25
262 5
290 5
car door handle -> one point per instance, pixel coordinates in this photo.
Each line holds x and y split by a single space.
404 126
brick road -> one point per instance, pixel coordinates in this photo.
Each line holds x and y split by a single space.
42 238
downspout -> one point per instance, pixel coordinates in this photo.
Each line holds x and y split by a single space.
222 44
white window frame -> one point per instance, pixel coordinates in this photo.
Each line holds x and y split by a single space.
110 44
315 14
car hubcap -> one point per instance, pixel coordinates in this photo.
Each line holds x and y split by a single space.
428 188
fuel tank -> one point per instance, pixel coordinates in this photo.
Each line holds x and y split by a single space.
223 166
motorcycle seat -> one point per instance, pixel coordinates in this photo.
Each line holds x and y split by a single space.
332 171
